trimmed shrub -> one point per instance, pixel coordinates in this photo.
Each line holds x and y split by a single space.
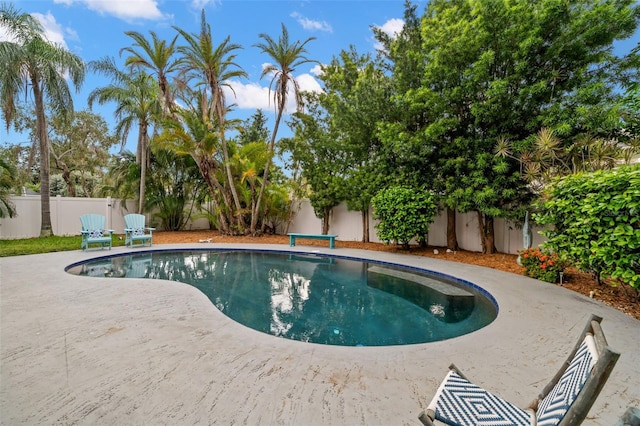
404 214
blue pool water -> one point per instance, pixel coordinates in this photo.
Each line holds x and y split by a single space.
313 298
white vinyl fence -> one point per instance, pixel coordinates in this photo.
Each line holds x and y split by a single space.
66 212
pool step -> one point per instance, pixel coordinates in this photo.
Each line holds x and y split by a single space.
447 302
439 286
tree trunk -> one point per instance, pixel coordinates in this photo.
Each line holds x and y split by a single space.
45 167
365 226
208 170
487 234
66 174
143 146
325 221
235 216
265 176
452 238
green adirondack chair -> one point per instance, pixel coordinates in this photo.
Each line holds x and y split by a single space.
137 231
93 231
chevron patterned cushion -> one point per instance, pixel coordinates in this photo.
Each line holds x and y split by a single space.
556 404
460 402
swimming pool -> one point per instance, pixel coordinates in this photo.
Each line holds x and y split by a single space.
316 298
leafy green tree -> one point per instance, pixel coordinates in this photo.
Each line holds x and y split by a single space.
404 213
356 99
254 129
212 66
287 57
136 97
30 63
594 220
502 69
80 147
416 135
7 182
315 150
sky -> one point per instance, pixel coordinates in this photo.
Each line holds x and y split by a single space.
94 29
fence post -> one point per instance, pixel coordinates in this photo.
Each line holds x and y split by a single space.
108 215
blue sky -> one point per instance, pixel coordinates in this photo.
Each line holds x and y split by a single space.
94 29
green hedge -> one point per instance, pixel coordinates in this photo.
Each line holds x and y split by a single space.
594 218
404 213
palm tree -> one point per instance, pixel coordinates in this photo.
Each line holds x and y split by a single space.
30 63
154 55
287 56
213 66
137 98
190 135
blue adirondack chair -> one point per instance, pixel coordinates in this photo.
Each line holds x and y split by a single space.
93 231
136 230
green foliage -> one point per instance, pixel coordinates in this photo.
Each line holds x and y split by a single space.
541 264
174 184
404 214
7 180
594 219
316 150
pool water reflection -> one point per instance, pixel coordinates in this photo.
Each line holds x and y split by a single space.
312 298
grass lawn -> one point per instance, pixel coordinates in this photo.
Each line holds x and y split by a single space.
46 245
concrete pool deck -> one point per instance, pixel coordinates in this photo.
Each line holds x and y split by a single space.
79 350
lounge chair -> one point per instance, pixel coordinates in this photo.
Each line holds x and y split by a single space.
566 400
93 231
136 230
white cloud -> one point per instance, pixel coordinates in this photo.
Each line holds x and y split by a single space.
128 10
308 83
392 27
311 25
254 96
317 70
52 30
247 96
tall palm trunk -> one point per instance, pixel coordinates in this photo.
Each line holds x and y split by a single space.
235 216
207 169
265 176
45 166
143 147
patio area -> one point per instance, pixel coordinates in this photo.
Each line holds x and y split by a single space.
78 350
